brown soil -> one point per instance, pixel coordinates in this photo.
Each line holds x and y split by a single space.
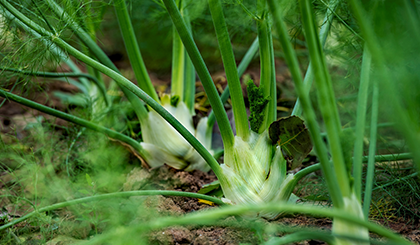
15 117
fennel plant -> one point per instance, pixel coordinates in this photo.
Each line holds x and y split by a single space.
254 175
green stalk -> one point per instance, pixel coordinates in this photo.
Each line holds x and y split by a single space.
310 117
238 104
390 157
124 83
325 97
133 49
189 84
96 50
76 70
189 77
267 77
203 73
378 57
360 124
249 55
82 122
323 33
272 104
372 148
100 85
302 173
213 217
246 60
111 196
178 66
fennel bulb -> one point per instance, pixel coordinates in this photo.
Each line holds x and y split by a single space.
256 172
164 145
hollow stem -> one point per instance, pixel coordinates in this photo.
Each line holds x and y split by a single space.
238 104
323 34
390 157
246 60
302 173
267 77
360 124
325 96
178 65
133 49
189 77
372 149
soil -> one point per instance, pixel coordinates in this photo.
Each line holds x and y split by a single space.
15 118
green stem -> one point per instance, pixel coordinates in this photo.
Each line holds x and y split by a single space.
247 11
122 81
189 77
189 84
76 70
82 122
390 157
323 33
246 60
133 49
203 73
249 55
360 124
56 75
238 104
178 66
218 153
302 173
372 148
110 196
267 77
325 97
272 104
309 112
